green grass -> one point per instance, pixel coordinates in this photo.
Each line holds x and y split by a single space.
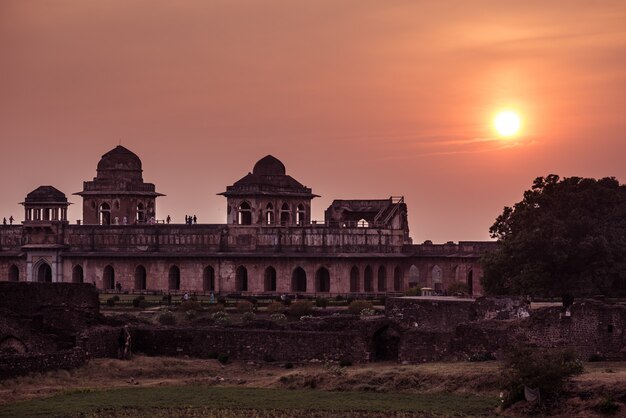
236 401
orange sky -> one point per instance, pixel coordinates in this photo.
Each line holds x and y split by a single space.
359 99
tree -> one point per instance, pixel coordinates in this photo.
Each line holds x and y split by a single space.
566 238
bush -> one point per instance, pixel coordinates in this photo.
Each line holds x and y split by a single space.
301 308
288 365
215 308
116 298
222 358
248 316
167 318
607 406
546 370
321 302
482 356
190 305
212 355
221 300
413 291
278 318
357 306
221 318
143 304
339 298
458 288
595 358
137 300
346 362
244 306
368 312
275 307
110 302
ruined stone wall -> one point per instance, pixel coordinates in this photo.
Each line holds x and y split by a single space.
16 365
250 344
100 341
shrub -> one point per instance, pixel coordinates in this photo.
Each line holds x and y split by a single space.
167 318
275 307
458 288
116 298
321 302
339 298
143 304
244 306
215 308
248 316
595 358
222 300
221 318
212 355
222 358
357 306
301 308
288 365
191 314
546 370
413 291
137 300
190 305
368 312
481 356
110 302
346 362
278 318
607 406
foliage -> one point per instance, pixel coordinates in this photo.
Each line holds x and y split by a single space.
546 370
137 300
244 306
458 288
275 307
190 305
116 298
248 316
216 307
110 302
221 318
321 302
167 318
367 312
566 238
345 362
357 306
607 406
278 317
301 308
413 291
288 365
223 358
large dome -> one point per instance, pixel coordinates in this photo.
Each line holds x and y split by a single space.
119 158
269 166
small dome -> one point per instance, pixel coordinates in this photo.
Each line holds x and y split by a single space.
269 166
119 158
46 194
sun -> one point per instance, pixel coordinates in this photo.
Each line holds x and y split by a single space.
507 123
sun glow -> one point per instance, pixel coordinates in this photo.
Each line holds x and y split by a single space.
507 123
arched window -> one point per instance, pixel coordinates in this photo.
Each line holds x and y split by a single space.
298 280
77 274
354 280
269 281
397 279
368 279
241 279
300 215
285 214
174 278
44 273
244 213
141 278
414 276
457 274
141 213
322 280
269 214
362 223
105 214
208 279
470 282
437 275
382 279
14 273
108 278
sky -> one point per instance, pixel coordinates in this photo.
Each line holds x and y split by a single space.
359 99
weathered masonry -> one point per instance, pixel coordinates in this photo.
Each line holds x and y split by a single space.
269 245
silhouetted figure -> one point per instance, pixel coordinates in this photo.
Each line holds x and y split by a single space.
195 220
4 221
124 344
168 219
186 219
11 220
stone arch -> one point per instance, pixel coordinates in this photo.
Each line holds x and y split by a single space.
78 274
269 214
414 276
298 280
12 345
14 273
285 214
470 281
382 279
241 279
368 279
141 213
244 213
437 276
43 272
141 278
108 278
269 279
362 223
105 214
397 279
174 278
354 280
208 279
322 280
386 342
300 214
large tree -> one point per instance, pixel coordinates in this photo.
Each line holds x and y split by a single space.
566 238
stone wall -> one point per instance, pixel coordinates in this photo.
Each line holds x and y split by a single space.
15 365
100 341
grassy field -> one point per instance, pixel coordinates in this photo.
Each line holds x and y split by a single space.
235 401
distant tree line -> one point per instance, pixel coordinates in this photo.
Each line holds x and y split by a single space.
566 238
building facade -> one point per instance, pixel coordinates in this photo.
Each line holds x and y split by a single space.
269 244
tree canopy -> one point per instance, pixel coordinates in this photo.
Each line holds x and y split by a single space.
566 238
